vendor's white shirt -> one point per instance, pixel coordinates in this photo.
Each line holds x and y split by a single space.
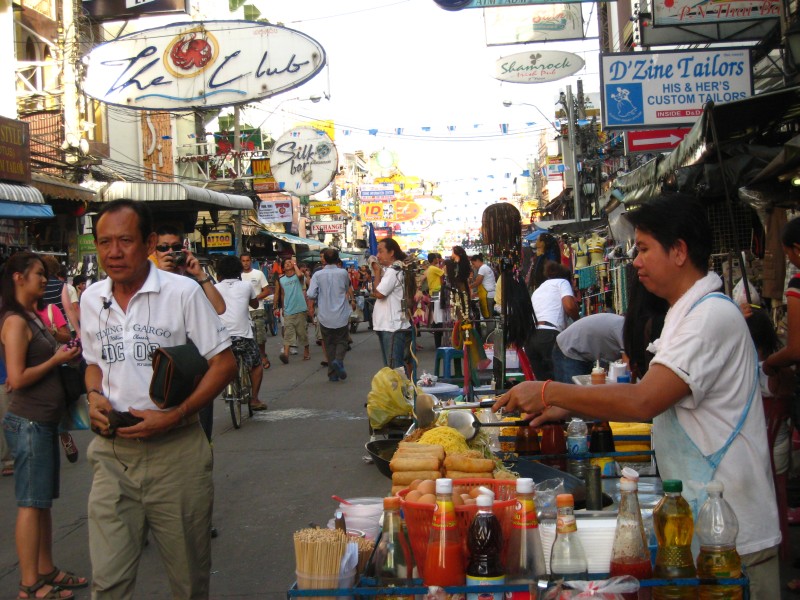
388 315
257 279
237 295
547 304
166 311
488 282
711 350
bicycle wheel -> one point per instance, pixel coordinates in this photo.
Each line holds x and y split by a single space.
247 387
234 400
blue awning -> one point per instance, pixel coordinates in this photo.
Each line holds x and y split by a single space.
293 239
23 202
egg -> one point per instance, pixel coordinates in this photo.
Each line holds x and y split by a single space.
474 492
464 498
457 500
427 486
470 502
427 499
413 496
415 484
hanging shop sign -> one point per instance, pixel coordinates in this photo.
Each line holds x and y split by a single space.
524 24
537 66
263 181
327 227
377 211
118 10
15 151
304 161
275 211
331 207
691 12
661 89
202 64
372 192
654 140
220 239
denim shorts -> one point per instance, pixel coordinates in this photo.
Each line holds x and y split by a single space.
37 456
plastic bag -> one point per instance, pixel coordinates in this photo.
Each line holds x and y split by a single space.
740 297
607 589
387 398
545 499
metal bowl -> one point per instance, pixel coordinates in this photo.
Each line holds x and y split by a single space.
381 452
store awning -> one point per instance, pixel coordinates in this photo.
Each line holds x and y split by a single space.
173 196
23 202
745 127
56 187
293 239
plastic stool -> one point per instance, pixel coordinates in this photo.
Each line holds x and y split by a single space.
450 356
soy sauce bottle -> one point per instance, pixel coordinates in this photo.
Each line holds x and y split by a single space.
485 543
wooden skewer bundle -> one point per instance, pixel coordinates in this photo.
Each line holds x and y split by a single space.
318 552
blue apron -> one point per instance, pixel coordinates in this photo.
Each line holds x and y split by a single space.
681 456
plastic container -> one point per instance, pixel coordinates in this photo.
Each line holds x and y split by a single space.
444 559
672 521
307 581
419 516
717 528
598 375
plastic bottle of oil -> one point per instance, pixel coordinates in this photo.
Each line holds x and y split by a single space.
717 528
673 523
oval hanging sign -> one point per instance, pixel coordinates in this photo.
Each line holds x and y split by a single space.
202 64
538 66
304 161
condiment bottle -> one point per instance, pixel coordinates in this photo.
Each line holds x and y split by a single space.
444 559
598 374
527 441
567 557
672 521
393 564
553 442
602 440
577 446
717 528
629 554
485 543
525 560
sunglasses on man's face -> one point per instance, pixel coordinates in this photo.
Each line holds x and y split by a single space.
168 247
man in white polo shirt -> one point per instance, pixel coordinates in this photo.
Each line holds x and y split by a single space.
259 282
156 474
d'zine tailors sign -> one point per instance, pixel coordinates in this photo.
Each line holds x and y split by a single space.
670 88
201 64
537 66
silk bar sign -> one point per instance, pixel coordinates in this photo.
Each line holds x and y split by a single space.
202 64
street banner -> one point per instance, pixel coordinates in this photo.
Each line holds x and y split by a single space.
331 207
524 24
275 211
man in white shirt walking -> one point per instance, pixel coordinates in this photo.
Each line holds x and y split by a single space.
259 282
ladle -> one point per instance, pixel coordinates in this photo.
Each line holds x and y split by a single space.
425 413
468 424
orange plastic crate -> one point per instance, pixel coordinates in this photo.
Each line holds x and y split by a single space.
419 517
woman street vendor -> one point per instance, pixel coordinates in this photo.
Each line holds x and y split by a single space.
701 389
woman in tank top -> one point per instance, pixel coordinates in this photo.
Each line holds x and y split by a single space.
36 406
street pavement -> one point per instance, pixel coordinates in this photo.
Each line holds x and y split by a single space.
272 477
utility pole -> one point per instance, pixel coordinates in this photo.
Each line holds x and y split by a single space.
237 165
571 131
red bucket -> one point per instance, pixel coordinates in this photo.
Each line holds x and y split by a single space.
418 516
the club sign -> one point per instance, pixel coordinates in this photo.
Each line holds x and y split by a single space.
538 66
201 64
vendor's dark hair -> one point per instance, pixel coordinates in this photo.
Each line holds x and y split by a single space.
791 233
392 246
763 332
168 230
21 262
140 208
643 323
432 256
229 267
463 269
672 217
330 256
554 270
477 257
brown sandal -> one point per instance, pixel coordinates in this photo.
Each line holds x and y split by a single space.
67 581
55 593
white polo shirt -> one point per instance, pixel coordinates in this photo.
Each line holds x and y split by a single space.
166 311
237 295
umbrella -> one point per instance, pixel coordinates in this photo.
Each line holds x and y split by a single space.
373 241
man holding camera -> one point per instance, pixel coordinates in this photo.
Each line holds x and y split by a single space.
154 475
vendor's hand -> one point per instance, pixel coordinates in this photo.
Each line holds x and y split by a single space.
99 408
523 397
154 422
550 415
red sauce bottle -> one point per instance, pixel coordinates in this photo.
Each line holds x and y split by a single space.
444 560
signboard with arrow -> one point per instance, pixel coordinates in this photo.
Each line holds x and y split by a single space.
654 140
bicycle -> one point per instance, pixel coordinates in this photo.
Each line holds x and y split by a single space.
269 316
239 391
